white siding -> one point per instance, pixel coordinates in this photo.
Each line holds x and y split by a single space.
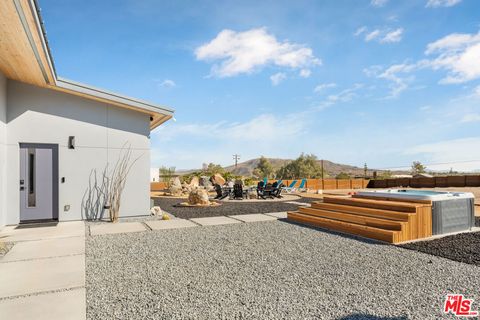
3 137
38 115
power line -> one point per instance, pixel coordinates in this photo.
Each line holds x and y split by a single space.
430 164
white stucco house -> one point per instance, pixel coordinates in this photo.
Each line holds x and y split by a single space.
54 132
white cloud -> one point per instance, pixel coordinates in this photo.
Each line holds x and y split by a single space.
476 91
380 35
378 3
359 31
393 36
167 83
372 35
248 51
442 3
471 117
277 78
305 73
345 95
396 74
324 86
459 54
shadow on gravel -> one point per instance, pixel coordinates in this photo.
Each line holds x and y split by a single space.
344 235
361 316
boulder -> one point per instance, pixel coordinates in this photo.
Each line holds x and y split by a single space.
176 182
219 179
195 182
205 182
198 197
252 194
155 211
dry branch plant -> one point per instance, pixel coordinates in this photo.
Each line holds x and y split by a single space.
117 180
106 192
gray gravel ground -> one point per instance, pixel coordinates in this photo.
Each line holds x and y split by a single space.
268 270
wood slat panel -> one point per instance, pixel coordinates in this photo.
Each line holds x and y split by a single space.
375 204
371 212
358 219
334 225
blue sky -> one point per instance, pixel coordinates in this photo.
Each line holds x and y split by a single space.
384 82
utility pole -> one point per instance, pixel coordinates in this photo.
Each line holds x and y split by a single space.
365 171
236 157
321 161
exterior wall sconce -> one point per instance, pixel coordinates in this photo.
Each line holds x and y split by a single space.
71 142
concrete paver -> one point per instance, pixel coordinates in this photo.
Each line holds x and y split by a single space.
256 217
56 247
278 215
214 221
50 306
61 230
170 224
112 228
31 276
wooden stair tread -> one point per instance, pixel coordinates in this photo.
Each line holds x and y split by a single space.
376 204
361 211
354 218
387 198
391 236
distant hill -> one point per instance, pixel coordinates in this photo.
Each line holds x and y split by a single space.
331 168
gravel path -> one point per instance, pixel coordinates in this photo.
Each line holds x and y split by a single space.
227 208
463 247
269 270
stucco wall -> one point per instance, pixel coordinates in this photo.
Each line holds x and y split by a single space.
38 115
3 134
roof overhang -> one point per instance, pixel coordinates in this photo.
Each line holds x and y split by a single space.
25 57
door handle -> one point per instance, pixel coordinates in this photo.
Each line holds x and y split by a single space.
22 188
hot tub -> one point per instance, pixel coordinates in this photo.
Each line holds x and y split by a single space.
451 211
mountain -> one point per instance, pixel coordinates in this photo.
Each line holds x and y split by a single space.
331 168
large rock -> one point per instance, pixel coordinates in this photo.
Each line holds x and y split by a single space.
176 182
155 211
198 197
205 182
218 179
195 182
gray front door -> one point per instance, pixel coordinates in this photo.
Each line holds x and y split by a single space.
38 182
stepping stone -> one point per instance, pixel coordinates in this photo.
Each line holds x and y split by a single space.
214 221
256 217
50 306
39 232
49 248
31 276
119 227
278 215
170 224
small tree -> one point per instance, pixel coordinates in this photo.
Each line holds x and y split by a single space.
263 169
418 168
305 166
387 174
343 175
167 174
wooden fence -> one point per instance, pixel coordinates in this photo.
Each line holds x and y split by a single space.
328 184
313 184
444 181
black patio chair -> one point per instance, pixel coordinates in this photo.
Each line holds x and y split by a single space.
261 189
277 189
238 191
222 193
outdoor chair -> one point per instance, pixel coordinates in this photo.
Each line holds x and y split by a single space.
277 189
290 188
261 189
222 193
238 191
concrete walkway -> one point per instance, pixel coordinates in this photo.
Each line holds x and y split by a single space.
43 275
154 225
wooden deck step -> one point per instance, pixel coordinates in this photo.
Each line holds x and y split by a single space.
357 210
391 236
386 198
354 218
375 204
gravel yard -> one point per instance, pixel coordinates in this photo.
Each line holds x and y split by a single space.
463 247
227 208
268 270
